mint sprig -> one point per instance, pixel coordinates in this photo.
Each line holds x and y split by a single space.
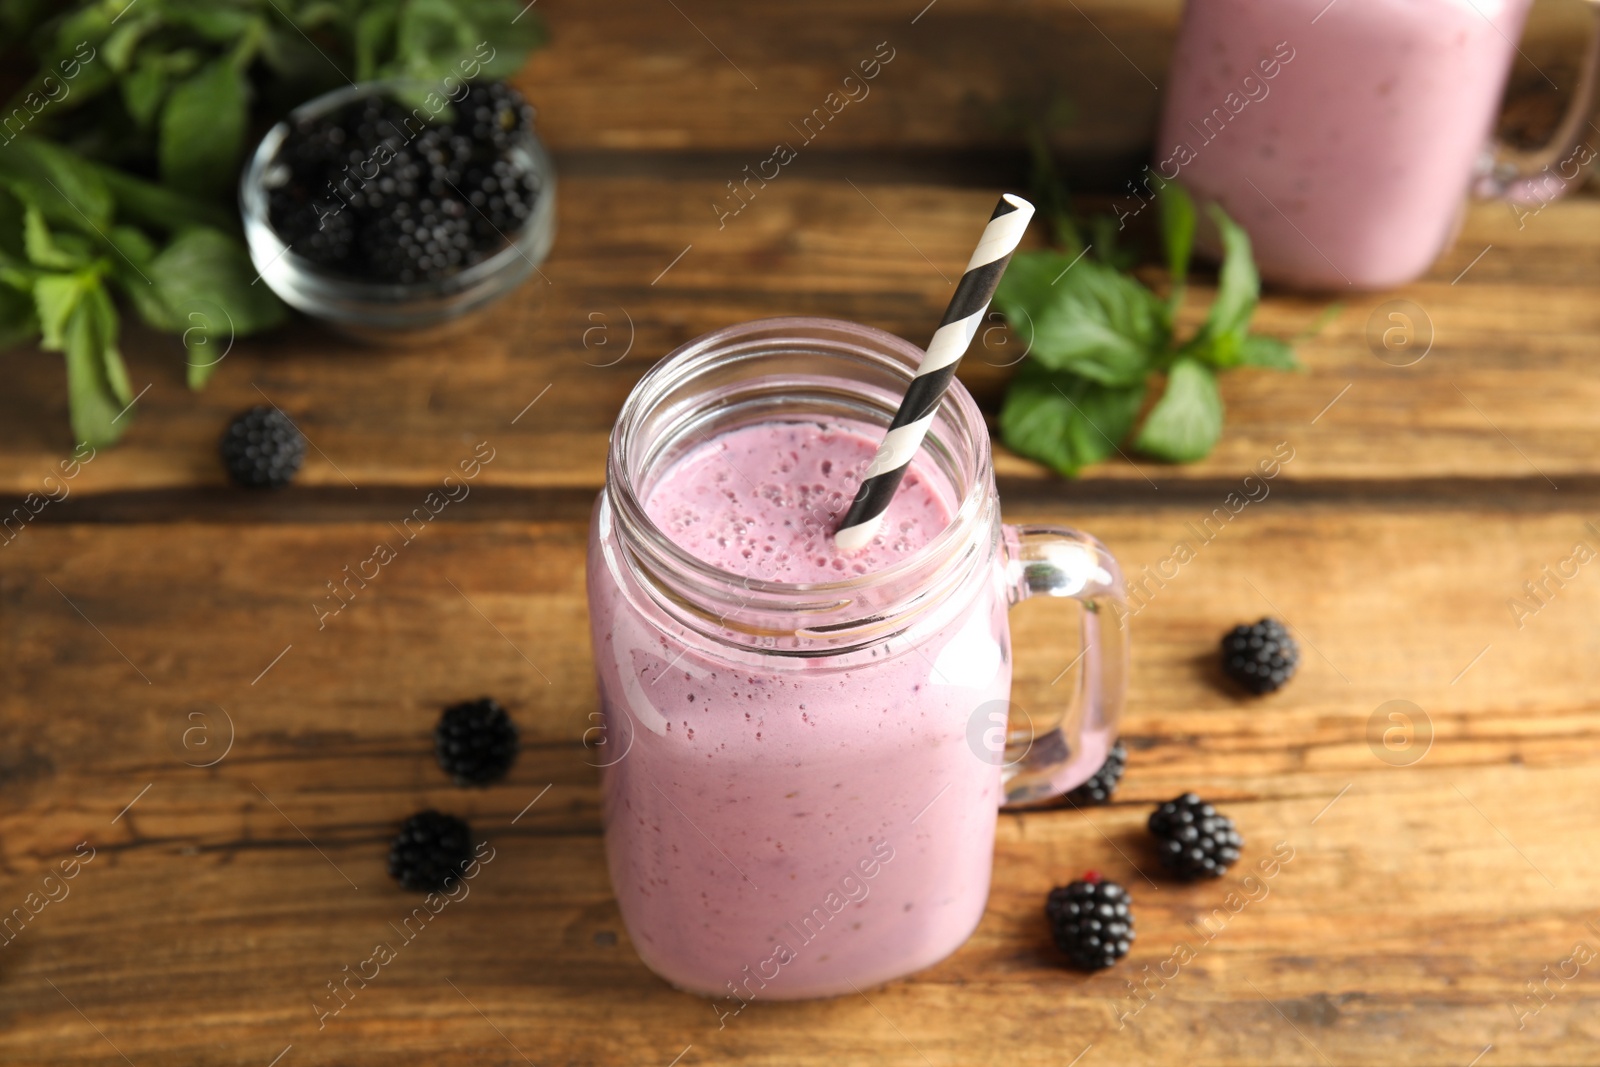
1100 340
125 139
63 255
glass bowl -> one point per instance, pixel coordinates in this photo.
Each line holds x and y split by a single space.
388 312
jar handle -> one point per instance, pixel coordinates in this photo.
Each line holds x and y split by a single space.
1525 178
1045 759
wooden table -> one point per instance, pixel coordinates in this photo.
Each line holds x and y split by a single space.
237 772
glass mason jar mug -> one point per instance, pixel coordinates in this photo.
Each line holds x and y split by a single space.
800 782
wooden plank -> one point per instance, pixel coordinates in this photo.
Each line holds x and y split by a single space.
1504 392
722 75
1420 900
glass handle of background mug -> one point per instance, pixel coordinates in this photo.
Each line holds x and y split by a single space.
1047 756
1542 175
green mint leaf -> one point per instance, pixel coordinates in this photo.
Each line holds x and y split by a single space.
68 190
56 298
134 247
97 302
1098 323
157 206
1258 351
203 264
183 61
90 393
223 24
148 302
431 37
510 31
202 358
1028 284
1177 229
41 248
116 51
374 34
202 129
143 90
203 280
1187 420
1238 284
1220 352
1065 421
131 268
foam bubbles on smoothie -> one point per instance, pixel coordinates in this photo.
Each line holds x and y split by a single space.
763 501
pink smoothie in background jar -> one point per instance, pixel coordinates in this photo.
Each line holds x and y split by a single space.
1343 136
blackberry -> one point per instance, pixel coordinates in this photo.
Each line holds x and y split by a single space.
1193 840
412 243
329 233
1091 921
431 851
1101 784
370 192
495 112
262 449
1262 657
476 741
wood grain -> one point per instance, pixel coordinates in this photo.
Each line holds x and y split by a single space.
1505 390
722 75
1417 903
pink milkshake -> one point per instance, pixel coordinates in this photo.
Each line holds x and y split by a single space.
1342 136
804 752
752 859
762 501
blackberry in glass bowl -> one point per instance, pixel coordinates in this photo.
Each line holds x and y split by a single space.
390 209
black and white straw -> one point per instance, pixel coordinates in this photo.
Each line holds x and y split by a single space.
938 367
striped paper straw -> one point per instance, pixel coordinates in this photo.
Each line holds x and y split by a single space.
949 344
